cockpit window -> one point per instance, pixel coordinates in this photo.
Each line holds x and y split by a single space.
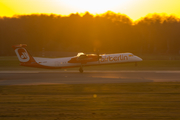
131 55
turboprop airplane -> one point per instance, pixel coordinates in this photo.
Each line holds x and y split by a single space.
77 61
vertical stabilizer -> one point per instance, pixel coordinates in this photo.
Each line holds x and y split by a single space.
24 57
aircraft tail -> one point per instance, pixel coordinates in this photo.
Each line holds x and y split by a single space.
24 57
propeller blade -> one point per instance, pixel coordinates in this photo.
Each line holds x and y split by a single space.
98 56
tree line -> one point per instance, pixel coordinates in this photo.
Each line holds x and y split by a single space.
109 33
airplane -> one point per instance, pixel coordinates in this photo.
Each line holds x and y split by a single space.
80 60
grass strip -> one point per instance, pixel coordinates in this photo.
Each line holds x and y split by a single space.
127 101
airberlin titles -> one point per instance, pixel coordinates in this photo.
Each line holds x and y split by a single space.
102 59
115 58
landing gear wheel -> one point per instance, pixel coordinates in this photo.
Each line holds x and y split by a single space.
80 70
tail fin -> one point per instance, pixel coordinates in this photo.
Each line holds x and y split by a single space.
24 57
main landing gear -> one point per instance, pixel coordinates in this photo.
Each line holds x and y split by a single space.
81 70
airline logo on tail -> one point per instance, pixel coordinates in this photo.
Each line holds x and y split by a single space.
22 54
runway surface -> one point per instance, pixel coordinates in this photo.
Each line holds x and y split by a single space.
89 77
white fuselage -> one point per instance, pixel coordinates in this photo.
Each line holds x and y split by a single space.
106 59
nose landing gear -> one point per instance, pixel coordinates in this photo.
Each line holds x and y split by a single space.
135 63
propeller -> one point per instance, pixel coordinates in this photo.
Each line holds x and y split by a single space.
98 56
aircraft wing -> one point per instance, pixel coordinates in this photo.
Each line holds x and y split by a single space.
84 58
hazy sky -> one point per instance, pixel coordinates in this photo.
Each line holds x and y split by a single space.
133 8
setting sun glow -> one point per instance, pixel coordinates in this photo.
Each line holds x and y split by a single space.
95 6
135 9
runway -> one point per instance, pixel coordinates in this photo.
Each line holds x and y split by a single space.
89 77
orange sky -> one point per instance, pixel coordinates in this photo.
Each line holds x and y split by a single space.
135 9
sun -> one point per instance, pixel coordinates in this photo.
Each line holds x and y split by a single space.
5 11
94 6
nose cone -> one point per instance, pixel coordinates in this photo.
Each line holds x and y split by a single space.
139 59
